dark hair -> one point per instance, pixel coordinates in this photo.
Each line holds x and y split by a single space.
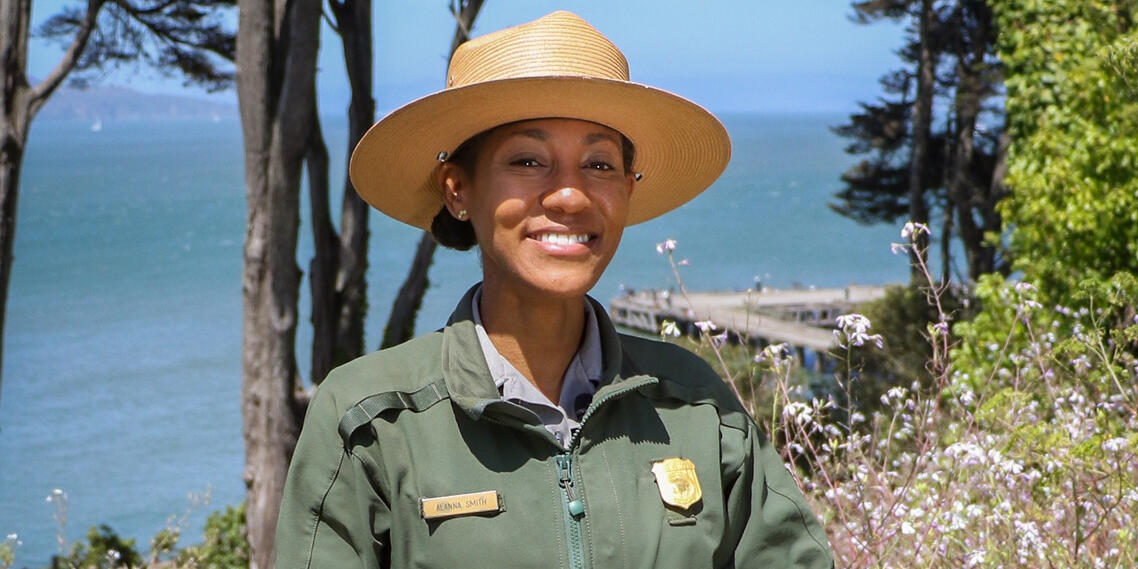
454 233
448 230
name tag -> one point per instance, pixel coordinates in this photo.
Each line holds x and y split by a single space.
461 505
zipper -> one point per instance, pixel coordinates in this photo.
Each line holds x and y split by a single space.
626 386
573 508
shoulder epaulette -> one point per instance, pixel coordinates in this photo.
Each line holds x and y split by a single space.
729 415
369 408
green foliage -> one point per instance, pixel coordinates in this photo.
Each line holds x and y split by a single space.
104 549
225 544
1072 110
1004 324
1015 337
8 551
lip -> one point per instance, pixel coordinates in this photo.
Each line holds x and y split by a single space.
563 241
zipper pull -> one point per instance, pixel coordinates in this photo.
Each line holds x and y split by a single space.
565 465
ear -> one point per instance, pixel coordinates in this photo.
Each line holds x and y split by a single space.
452 180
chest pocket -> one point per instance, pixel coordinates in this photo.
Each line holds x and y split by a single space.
630 523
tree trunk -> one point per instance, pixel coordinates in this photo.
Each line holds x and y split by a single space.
997 190
962 194
322 269
11 158
277 45
20 102
922 123
339 297
14 15
946 246
401 322
963 187
354 212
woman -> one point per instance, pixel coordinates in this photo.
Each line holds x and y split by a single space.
528 432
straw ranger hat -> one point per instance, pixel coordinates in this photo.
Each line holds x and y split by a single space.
555 67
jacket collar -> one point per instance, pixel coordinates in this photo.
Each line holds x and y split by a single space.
468 377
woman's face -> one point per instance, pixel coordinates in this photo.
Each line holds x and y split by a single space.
548 200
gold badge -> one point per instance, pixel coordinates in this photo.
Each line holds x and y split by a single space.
460 505
678 484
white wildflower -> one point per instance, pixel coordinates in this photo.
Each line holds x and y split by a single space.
967 397
854 330
1114 445
775 354
975 558
913 229
800 412
1081 363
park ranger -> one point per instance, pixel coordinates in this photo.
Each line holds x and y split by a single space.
527 432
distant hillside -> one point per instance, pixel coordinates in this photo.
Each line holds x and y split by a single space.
115 102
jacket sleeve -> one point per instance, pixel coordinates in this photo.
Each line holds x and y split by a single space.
331 514
769 517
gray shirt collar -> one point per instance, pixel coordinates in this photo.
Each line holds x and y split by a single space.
577 388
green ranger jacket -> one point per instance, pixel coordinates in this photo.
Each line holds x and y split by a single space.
409 457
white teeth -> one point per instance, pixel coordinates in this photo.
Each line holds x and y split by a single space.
562 239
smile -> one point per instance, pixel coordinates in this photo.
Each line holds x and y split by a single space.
563 238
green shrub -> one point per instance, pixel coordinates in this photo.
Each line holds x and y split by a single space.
225 544
104 549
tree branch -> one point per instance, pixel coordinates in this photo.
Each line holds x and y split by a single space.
65 65
169 36
156 9
328 20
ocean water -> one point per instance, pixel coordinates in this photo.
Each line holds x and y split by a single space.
122 363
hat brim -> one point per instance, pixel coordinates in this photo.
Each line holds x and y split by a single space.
681 148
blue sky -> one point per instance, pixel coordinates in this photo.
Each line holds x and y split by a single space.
729 55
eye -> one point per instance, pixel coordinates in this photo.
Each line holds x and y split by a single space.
599 165
525 162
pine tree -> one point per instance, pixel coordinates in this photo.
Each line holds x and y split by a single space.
933 144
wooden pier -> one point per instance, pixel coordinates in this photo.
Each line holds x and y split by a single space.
803 318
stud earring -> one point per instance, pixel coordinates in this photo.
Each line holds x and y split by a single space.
462 215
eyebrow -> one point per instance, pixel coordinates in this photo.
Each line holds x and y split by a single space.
595 137
589 139
534 133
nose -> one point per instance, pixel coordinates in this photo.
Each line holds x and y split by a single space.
568 194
